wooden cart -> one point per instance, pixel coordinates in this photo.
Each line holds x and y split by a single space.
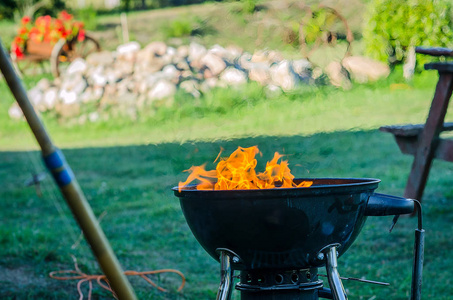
60 55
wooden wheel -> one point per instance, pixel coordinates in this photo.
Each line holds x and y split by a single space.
27 65
65 52
323 26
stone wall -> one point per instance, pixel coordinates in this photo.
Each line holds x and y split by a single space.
132 78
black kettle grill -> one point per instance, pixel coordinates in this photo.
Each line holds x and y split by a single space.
278 238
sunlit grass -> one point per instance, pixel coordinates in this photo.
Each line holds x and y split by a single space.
241 112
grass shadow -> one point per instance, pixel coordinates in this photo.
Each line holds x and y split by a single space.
130 185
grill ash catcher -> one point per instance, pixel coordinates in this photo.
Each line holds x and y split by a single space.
278 238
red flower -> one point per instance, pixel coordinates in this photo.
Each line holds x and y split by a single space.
25 20
65 16
47 29
18 40
23 31
81 36
17 51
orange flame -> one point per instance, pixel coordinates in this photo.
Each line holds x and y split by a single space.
237 172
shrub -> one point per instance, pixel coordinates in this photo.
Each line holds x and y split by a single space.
393 26
186 26
7 8
88 16
248 6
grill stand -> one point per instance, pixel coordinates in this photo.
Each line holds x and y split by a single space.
281 284
333 276
226 273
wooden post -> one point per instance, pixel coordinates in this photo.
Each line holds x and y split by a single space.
69 186
429 137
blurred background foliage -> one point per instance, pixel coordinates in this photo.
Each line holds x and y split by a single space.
14 9
388 30
392 27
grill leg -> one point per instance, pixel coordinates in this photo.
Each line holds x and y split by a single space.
333 276
226 276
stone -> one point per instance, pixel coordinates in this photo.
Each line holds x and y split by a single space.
128 48
43 84
50 98
206 73
171 51
244 61
75 83
317 73
209 83
259 57
162 89
97 93
214 63
144 56
128 52
68 110
67 97
233 76
15 112
102 58
157 48
148 83
191 87
223 53
183 51
112 76
123 68
364 69
301 67
234 51
98 79
337 75
35 95
91 94
153 65
259 72
283 76
274 56
171 73
77 66
186 74
196 51
182 64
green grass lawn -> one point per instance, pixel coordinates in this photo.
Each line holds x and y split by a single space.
127 169
143 221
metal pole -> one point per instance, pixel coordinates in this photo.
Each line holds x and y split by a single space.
69 187
419 246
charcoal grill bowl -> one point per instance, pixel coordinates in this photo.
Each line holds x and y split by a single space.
281 228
